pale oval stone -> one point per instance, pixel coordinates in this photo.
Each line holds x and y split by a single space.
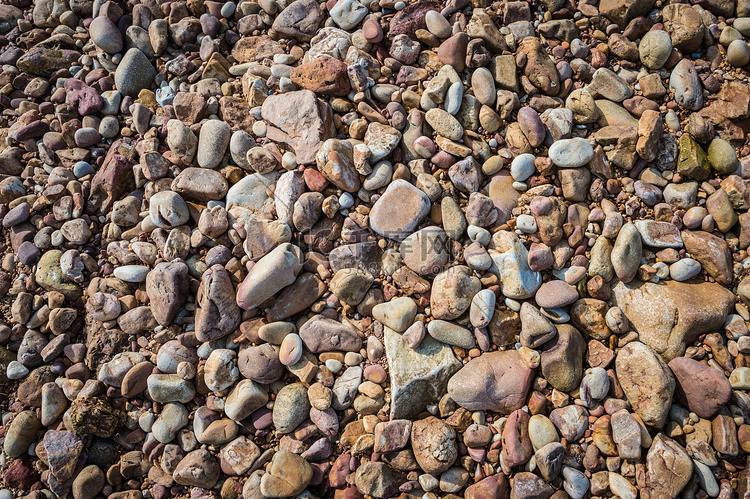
482 308
571 153
131 273
291 349
542 431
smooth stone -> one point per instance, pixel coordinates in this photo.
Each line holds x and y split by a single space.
571 153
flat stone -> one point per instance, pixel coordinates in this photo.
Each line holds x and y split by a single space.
670 316
647 382
399 210
418 376
496 381
659 234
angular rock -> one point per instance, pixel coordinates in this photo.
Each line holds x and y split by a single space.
418 376
670 316
647 382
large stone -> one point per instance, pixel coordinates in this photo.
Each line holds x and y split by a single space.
63 450
218 313
703 389
510 264
496 381
275 271
376 479
322 334
134 73
647 382
452 292
399 210
287 476
299 120
712 252
672 315
621 12
418 376
299 20
668 469
562 359
249 196
167 288
50 276
43 62
685 25
197 469
434 445
686 86
426 251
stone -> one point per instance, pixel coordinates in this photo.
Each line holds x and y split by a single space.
556 294
704 390
712 252
418 376
218 313
377 479
571 153
510 265
497 381
323 75
197 469
291 408
685 27
300 120
670 316
322 334
167 287
434 445
399 210
299 20
212 143
685 84
452 292
655 48
397 314
668 468
134 73
426 251
270 274
647 382
626 253
562 359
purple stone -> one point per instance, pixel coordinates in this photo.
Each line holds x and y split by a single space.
262 418
17 215
28 254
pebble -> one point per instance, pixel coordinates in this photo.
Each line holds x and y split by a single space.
522 167
571 153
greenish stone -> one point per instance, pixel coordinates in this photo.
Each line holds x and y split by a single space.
50 276
723 157
693 161
6 357
468 113
43 62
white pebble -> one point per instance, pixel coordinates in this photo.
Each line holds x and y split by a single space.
334 365
260 128
513 304
289 161
346 200
526 223
16 370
